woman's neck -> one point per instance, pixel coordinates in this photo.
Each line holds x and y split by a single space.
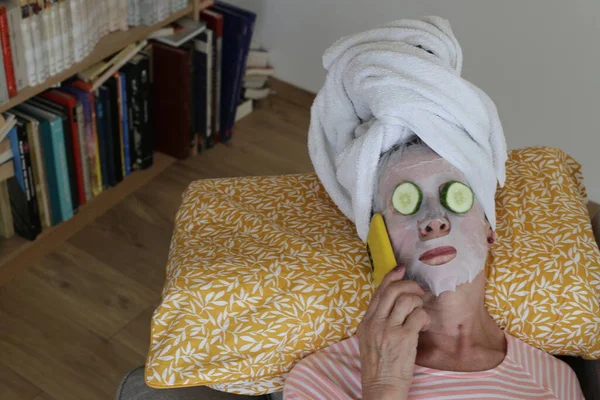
461 330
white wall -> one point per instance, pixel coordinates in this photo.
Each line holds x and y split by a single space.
539 60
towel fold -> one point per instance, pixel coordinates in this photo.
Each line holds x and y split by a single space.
383 87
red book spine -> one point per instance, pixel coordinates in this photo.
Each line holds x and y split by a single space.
72 104
7 53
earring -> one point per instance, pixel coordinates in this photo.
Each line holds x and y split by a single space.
490 240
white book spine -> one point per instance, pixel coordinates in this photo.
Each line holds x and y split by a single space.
17 47
113 17
124 23
56 39
130 12
104 19
95 24
39 48
29 51
65 33
85 27
48 41
76 35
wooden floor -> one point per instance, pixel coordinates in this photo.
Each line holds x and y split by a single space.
77 320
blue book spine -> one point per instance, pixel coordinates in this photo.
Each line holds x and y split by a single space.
60 163
51 172
101 139
125 122
14 147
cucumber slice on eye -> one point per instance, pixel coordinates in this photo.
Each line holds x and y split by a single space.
457 197
406 198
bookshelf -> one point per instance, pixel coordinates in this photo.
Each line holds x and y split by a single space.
17 253
109 44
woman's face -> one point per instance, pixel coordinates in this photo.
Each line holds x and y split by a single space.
440 249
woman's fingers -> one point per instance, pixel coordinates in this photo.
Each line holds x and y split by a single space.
417 321
387 298
403 306
393 276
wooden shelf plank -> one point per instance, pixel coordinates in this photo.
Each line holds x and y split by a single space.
17 253
108 45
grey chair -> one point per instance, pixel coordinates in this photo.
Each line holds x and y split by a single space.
133 387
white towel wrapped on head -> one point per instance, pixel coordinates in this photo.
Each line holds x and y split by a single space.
383 87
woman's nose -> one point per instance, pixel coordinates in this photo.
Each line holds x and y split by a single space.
434 228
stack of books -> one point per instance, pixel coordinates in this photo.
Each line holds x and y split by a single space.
41 38
258 71
198 79
73 142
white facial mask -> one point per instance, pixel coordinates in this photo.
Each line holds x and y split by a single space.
410 236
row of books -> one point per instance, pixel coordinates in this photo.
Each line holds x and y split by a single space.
208 59
41 38
71 143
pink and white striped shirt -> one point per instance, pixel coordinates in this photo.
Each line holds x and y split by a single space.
525 373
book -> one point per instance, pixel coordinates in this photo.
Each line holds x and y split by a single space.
113 128
118 64
6 124
7 229
55 162
76 30
9 70
107 138
65 24
195 96
137 71
40 46
148 129
126 142
52 6
6 153
37 160
23 200
3 84
238 25
203 89
257 94
258 59
87 99
13 15
26 34
214 22
118 96
68 105
62 112
184 29
7 169
244 109
171 88
104 146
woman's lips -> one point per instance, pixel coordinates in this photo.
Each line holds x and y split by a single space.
438 256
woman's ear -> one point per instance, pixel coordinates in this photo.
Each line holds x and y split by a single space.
491 236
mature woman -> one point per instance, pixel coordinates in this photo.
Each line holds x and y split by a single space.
413 344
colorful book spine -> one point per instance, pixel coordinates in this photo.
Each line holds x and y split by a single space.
9 70
125 123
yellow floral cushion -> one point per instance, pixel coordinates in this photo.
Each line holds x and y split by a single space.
265 270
